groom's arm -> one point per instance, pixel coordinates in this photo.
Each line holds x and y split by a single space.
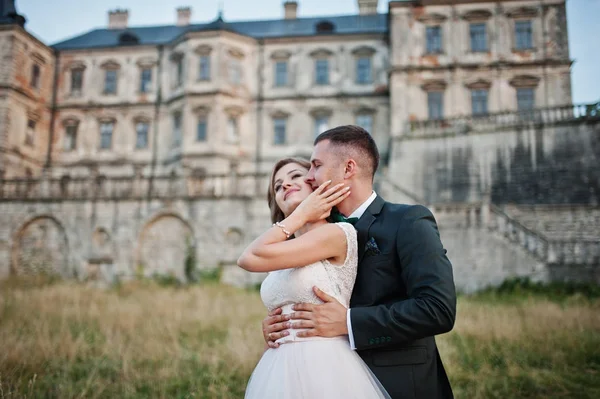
430 308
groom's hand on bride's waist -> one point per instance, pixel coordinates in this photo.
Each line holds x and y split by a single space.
325 320
275 326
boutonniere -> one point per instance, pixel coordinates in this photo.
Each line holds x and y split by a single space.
371 248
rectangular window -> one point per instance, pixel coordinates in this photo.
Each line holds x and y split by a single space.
281 73
321 124
523 35
30 133
363 70
434 39
204 72
233 135
141 135
279 128
365 121
478 35
76 81
145 80
70 137
479 101
235 72
177 133
435 105
35 76
322 71
106 133
201 129
179 72
110 82
525 99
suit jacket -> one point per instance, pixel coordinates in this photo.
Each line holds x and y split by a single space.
404 295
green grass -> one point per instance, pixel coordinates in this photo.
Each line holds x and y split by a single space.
156 340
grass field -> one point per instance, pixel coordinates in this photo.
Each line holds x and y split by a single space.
140 340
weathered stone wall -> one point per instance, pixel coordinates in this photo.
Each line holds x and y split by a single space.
528 164
103 239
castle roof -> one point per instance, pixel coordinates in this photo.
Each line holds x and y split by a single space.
266 29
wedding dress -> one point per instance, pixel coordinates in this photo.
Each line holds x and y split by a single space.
314 367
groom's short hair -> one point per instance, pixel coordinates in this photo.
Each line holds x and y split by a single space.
354 138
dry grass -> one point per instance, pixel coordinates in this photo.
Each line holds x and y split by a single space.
65 340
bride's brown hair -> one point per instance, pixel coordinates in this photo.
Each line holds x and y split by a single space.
276 213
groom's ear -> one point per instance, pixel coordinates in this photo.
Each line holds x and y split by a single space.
350 169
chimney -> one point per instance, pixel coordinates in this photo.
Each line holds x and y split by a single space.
290 9
117 19
184 14
367 7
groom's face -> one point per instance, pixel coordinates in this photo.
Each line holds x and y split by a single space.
325 164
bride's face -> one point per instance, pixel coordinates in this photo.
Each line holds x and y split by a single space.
290 188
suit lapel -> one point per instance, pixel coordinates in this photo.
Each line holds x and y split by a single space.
364 225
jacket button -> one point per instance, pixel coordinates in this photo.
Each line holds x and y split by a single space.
371 341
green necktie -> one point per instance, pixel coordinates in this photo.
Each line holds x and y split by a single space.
337 217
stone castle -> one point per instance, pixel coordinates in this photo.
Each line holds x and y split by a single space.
143 150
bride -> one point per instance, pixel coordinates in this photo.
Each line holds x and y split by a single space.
320 254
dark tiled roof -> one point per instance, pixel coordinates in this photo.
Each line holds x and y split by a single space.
154 35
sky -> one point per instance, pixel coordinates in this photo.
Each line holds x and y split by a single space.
55 20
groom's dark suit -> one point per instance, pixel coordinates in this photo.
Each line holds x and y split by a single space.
403 296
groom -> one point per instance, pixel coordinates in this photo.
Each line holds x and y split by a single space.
404 292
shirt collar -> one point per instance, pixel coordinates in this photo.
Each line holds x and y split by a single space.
361 209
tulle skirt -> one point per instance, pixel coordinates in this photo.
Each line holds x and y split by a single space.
313 369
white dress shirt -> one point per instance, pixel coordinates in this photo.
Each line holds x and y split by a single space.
357 214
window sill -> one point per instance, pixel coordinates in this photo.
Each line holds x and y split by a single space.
434 53
524 50
200 80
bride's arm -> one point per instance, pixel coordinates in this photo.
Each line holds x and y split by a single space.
272 251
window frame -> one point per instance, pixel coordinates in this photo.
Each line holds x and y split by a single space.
327 80
284 82
278 138
477 97
429 48
518 37
474 41
145 86
109 72
368 74
431 110
103 135
137 134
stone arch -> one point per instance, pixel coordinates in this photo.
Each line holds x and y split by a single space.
40 246
165 244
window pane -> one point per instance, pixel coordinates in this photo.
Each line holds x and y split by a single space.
434 39
479 101
322 72
145 80
204 67
363 70
35 76
365 121
525 99
523 35
106 132
232 130
321 124
235 72
177 134
179 67
30 133
76 80
110 82
281 73
478 37
71 137
279 126
141 129
201 129
435 104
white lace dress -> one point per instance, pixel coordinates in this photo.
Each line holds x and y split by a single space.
313 368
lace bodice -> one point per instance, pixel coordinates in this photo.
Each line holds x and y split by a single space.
289 286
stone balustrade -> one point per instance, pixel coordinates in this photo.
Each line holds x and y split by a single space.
508 119
158 187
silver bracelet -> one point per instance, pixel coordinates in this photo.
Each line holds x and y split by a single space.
282 227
